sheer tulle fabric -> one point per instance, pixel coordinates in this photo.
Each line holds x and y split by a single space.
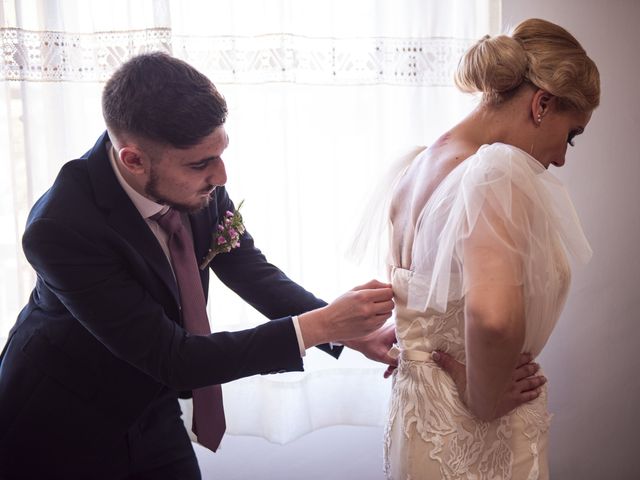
370 241
500 203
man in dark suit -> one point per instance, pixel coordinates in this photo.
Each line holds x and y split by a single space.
92 370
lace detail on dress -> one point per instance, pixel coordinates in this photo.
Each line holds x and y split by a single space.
425 402
431 433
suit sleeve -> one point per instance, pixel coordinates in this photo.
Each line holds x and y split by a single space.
101 282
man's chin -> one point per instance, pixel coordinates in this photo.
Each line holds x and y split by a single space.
194 207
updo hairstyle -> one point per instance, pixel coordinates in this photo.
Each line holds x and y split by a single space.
537 52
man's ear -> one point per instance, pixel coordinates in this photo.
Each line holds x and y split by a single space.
133 159
540 105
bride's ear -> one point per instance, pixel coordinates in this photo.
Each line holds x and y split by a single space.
540 104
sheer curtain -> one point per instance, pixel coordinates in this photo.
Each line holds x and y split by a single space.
322 94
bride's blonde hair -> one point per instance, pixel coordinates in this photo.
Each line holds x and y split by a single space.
537 52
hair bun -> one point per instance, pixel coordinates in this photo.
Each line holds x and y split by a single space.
493 65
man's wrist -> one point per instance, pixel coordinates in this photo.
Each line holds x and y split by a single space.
312 328
296 326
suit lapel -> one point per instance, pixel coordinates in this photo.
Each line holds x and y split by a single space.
202 229
130 224
123 216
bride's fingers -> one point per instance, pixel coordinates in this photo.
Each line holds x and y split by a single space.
524 371
531 384
529 395
524 359
456 370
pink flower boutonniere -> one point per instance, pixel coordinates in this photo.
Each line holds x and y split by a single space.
226 237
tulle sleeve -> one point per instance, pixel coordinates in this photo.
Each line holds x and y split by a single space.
497 218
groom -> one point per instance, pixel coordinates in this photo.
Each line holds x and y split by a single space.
115 329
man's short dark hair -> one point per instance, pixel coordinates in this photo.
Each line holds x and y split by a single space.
163 99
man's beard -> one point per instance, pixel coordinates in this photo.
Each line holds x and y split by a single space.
151 190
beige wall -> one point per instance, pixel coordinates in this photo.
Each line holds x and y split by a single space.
593 357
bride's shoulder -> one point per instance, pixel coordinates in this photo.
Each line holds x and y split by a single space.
502 162
448 152
503 154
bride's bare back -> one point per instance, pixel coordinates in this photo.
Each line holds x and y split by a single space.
417 185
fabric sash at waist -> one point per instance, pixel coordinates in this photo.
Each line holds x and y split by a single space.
416 356
411 355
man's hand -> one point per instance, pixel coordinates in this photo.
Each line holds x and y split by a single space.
376 345
355 314
525 385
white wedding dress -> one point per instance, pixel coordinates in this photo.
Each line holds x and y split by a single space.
501 197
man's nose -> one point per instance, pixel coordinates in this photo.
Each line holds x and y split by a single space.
217 174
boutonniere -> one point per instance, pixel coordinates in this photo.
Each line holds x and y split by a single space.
226 236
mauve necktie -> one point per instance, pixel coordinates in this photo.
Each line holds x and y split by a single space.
208 413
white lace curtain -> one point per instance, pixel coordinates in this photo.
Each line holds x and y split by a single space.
322 95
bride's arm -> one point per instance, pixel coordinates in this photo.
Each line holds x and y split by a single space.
489 245
494 309
494 334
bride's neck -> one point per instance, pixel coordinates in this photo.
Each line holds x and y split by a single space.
507 123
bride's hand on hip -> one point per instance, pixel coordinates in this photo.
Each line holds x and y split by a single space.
525 385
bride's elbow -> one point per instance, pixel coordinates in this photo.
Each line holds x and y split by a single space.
495 319
494 329
497 326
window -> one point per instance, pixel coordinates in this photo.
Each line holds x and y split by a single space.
323 95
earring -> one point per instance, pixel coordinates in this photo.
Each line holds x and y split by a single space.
539 118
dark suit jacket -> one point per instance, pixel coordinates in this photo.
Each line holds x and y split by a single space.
101 334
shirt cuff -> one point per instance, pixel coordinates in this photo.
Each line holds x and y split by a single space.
296 325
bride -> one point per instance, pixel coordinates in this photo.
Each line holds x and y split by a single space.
480 232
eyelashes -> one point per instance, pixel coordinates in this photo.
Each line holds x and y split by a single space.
572 136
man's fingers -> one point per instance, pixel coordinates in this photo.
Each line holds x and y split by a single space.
382 294
389 371
372 284
384 307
